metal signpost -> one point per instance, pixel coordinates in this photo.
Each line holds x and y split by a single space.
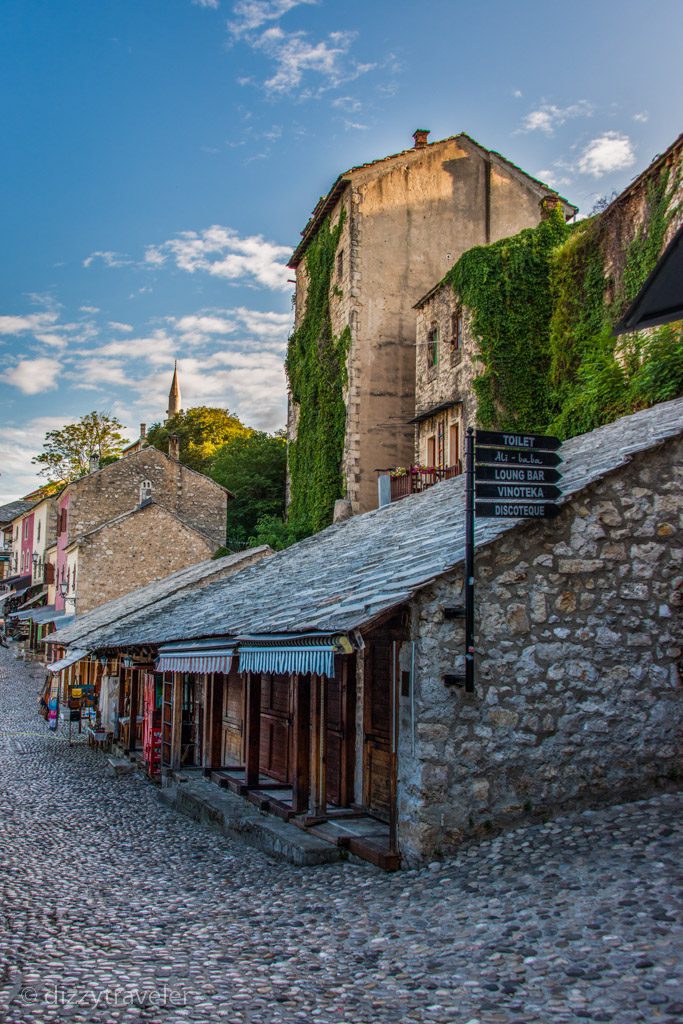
508 476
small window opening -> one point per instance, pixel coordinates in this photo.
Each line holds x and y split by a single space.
456 332
145 490
433 346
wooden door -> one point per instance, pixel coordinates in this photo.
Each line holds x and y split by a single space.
377 722
276 726
454 446
340 701
232 744
431 452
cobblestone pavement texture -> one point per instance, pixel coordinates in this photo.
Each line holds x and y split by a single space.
115 908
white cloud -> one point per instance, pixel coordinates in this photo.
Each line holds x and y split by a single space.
34 375
222 252
89 309
204 324
294 55
108 257
547 117
517 93
206 3
609 152
19 442
552 178
31 322
97 374
641 118
52 340
116 325
250 15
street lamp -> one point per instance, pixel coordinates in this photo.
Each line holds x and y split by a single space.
63 588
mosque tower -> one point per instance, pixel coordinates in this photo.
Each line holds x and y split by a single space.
174 401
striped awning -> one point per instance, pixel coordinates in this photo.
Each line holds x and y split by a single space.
69 659
202 656
6 596
32 601
302 654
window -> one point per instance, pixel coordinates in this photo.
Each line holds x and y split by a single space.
340 263
145 490
74 579
62 521
25 529
431 452
38 530
433 346
456 332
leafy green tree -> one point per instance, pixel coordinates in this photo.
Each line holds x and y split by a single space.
253 467
274 531
67 452
201 432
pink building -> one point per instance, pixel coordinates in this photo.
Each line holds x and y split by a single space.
25 544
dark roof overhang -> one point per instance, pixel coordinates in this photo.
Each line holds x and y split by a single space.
660 300
428 413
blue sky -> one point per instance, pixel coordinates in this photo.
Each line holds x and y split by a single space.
160 158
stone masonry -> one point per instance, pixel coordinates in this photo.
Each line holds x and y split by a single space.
134 550
115 490
578 692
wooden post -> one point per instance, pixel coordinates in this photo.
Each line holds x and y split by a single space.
253 738
133 721
302 728
213 706
318 773
177 719
393 762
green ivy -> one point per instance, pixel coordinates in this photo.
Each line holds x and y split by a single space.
316 368
543 308
643 252
507 288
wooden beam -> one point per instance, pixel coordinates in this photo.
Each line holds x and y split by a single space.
177 719
133 720
253 730
213 721
302 730
318 772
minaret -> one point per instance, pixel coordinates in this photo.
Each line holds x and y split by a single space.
174 395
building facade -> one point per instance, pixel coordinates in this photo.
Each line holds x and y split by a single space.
404 221
133 521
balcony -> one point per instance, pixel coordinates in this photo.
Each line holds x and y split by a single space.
416 479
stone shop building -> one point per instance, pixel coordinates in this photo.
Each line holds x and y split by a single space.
333 702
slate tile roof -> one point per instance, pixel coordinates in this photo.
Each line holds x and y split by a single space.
350 573
13 509
145 598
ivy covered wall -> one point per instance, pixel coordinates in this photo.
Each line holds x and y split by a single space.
543 305
316 369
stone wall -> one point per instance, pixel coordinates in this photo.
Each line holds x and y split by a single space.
451 379
132 552
578 692
115 490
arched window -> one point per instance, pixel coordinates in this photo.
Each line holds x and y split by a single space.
145 490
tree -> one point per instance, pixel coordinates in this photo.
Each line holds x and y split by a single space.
67 452
252 466
201 431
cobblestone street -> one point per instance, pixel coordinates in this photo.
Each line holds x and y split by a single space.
113 908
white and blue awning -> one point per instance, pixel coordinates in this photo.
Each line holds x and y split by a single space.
300 654
69 659
199 656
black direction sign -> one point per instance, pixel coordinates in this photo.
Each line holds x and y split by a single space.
531 442
518 492
517 474
516 510
510 457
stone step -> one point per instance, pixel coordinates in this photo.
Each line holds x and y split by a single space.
232 815
120 766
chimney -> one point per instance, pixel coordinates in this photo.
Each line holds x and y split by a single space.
420 137
174 447
94 462
143 430
548 204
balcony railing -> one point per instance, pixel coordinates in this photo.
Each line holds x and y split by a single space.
416 479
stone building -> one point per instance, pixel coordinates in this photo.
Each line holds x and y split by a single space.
406 219
131 522
446 349
340 659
